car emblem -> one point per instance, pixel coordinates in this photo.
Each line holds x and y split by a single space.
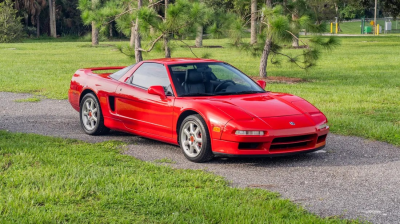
292 123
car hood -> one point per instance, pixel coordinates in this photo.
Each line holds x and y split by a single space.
255 105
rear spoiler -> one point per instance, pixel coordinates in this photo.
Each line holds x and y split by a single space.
105 68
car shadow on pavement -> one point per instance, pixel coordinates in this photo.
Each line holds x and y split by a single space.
339 151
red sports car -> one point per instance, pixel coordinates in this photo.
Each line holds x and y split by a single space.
207 107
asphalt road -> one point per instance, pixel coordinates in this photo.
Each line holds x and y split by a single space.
351 178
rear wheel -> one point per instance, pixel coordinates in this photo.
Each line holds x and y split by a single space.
195 140
91 118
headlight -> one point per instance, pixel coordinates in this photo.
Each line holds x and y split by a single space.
323 126
249 133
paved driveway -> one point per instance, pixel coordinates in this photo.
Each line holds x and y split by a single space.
352 177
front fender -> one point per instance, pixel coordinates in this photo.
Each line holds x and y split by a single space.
213 116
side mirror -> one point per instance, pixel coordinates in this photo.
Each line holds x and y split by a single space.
262 83
157 90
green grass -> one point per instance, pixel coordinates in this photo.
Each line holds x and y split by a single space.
165 160
52 180
356 85
31 100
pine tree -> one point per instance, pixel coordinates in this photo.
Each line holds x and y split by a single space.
11 29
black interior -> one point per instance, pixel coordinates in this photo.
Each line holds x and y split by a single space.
196 82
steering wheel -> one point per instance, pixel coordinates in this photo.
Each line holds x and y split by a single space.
222 83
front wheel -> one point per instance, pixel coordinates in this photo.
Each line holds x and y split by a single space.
195 140
92 120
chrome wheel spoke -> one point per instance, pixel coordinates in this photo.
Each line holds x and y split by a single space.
198 140
198 149
191 128
186 132
191 137
90 114
92 123
191 149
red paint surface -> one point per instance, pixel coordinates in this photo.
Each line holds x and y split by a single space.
146 113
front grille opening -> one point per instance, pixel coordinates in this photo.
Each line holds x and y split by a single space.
249 145
292 139
289 146
321 138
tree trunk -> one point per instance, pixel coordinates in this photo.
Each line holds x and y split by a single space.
38 25
264 57
199 33
295 42
95 34
253 29
52 12
133 30
166 47
110 30
199 36
268 3
95 30
138 45
167 50
295 17
152 30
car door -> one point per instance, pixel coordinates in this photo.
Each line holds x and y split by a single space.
141 111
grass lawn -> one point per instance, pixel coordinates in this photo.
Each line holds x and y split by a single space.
356 85
51 180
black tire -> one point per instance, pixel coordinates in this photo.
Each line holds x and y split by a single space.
92 127
190 143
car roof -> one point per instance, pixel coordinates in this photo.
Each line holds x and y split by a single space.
172 61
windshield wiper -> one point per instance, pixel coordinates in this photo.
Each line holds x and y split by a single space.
241 92
251 91
198 94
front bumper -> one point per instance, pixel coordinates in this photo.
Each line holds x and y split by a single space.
274 145
225 155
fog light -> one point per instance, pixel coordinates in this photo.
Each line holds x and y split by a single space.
323 126
249 133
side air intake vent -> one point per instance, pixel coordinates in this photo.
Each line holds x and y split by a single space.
111 101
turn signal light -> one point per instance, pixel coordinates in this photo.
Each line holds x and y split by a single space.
323 126
217 129
249 133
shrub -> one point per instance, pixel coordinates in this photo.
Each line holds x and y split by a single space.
11 29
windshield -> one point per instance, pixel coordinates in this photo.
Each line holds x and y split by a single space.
210 79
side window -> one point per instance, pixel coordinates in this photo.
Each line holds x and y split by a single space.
117 75
151 74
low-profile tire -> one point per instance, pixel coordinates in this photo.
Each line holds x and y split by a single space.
194 139
91 117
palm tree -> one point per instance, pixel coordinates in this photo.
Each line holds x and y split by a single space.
52 12
32 8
